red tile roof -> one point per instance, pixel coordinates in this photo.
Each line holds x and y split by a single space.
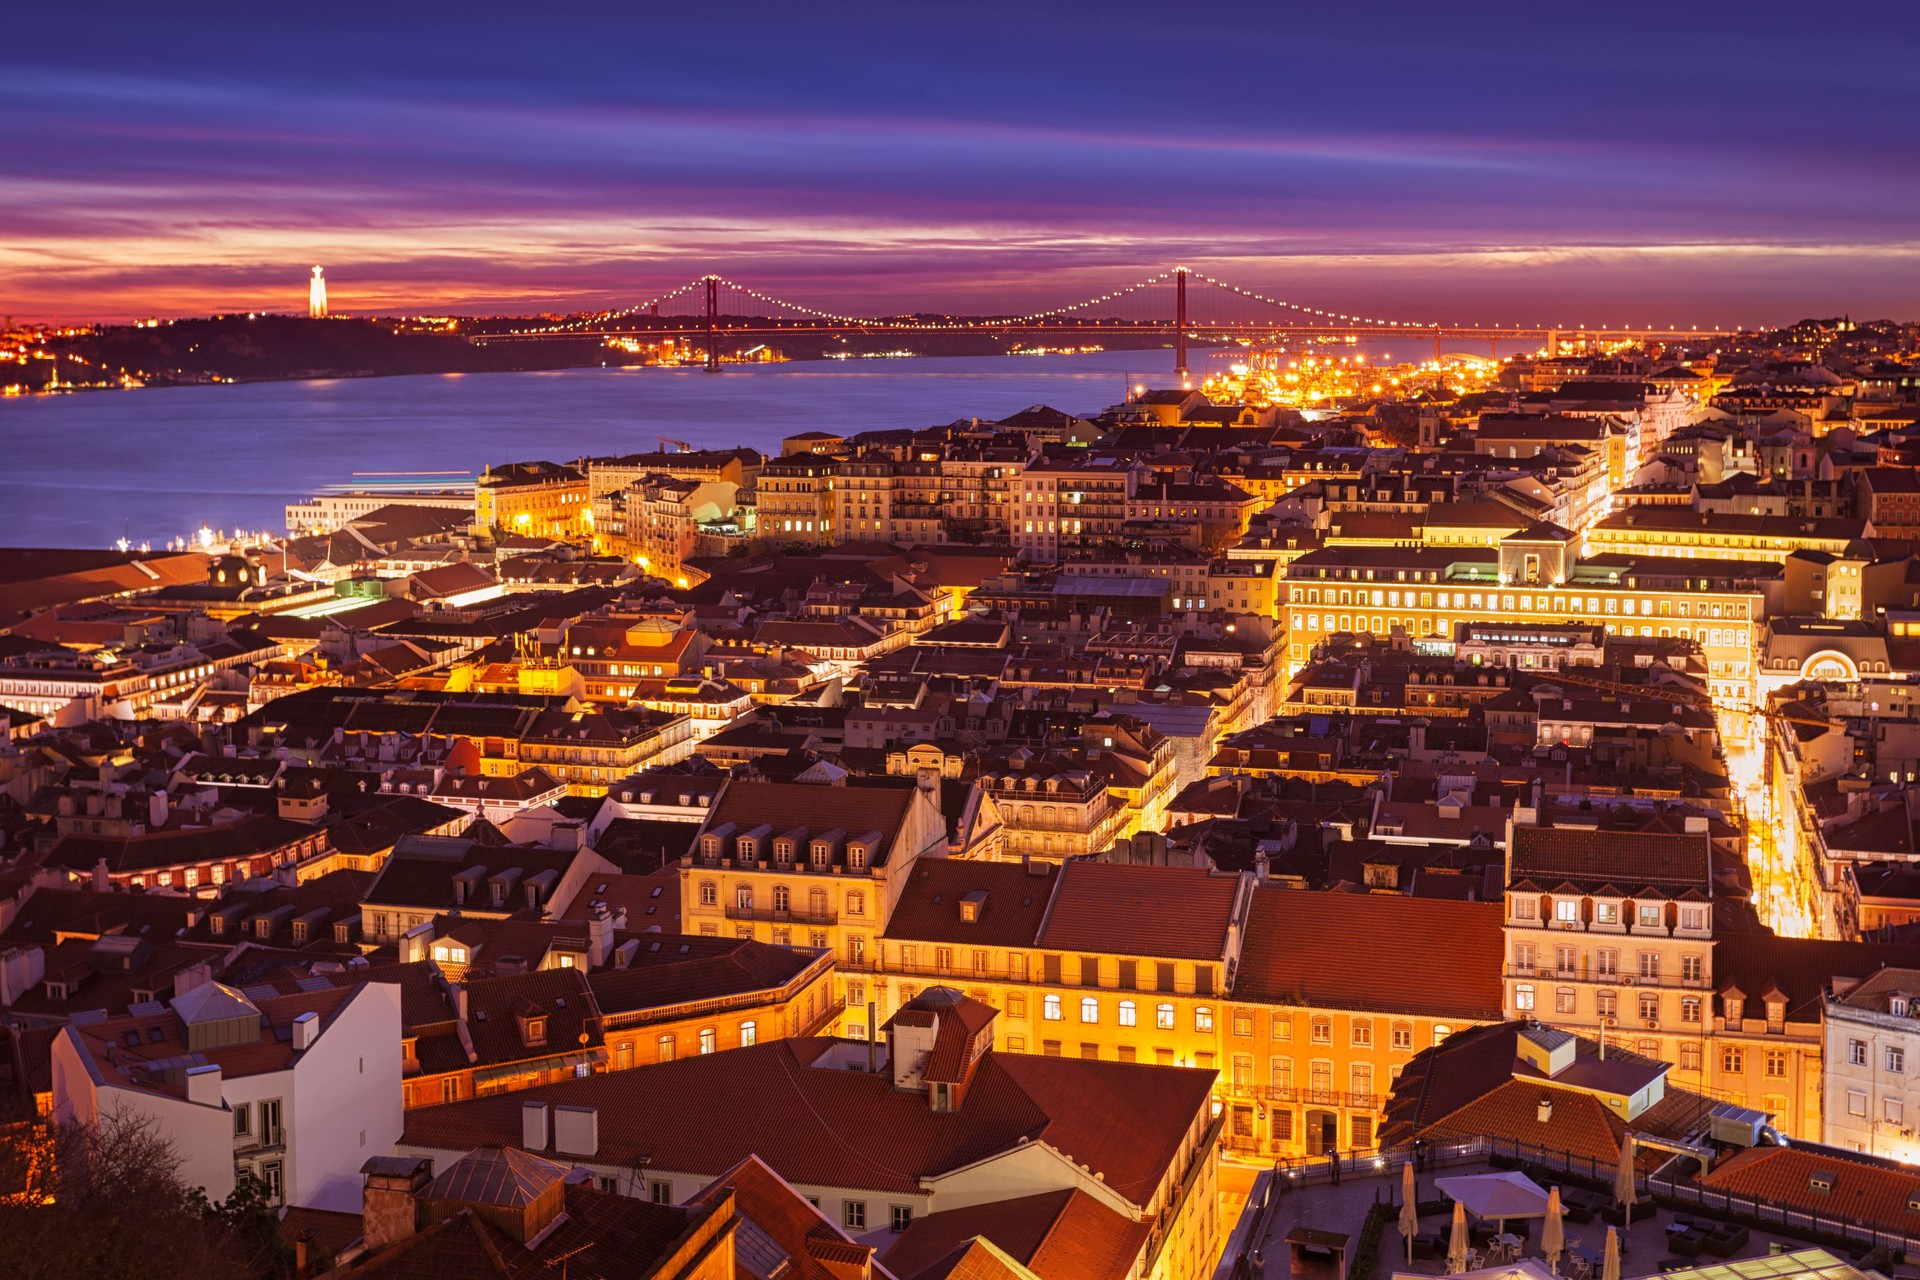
1059 1235
817 807
1627 858
1176 912
1016 902
811 1240
833 1127
1430 956
1862 1190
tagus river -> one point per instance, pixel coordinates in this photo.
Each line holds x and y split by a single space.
83 470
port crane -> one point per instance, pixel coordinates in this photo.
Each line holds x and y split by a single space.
683 446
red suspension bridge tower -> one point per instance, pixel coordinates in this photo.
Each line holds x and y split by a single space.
1180 324
713 324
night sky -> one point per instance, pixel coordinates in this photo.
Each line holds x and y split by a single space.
1672 163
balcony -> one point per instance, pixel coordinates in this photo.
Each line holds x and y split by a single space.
1307 1095
774 915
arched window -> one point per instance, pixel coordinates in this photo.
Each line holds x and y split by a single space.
1089 1009
709 1040
709 894
749 1033
665 1046
1129 1014
1163 1017
1203 1018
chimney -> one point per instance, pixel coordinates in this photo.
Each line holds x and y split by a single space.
599 937
203 1085
1546 1110
306 1029
576 1130
157 810
533 1126
101 880
303 1255
390 1201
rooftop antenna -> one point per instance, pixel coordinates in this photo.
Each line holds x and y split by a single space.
561 1260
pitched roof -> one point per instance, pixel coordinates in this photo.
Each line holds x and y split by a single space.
1015 901
1859 1188
826 1126
786 1221
1059 1235
1626 858
784 805
1176 912
1428 956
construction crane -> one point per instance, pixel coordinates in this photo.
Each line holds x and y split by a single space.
684 447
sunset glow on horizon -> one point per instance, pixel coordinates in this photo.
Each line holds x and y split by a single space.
1412 164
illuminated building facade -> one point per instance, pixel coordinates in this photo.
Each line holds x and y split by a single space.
533 500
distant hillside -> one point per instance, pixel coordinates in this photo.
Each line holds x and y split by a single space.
279 347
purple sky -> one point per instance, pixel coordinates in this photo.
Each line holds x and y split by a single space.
1676 163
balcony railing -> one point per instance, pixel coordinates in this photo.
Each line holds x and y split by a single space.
776 915
1616 978
1308 1095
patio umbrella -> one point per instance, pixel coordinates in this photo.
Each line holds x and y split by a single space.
1610 1263
1457 1245
1623 1189
1409 1215
1553 1237
1496 1197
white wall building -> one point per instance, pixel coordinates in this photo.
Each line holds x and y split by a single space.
1872 1053
296 1090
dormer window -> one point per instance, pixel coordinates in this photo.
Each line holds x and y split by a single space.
1897 1006
783 853
856 857
1566 910
822 853
536 1030
1651 915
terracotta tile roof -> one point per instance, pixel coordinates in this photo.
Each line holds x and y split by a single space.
1059 1235
1429 956
1466 1087
1801 968
811 1241
1633 858
329 1231
785 805
601 1235
977 1259
495 1005
1862 1189
1580 1123
1016 902
1176 912
669 969
833 1127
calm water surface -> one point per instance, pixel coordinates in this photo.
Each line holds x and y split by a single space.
157 464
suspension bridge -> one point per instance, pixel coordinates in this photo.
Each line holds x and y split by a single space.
1180 303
